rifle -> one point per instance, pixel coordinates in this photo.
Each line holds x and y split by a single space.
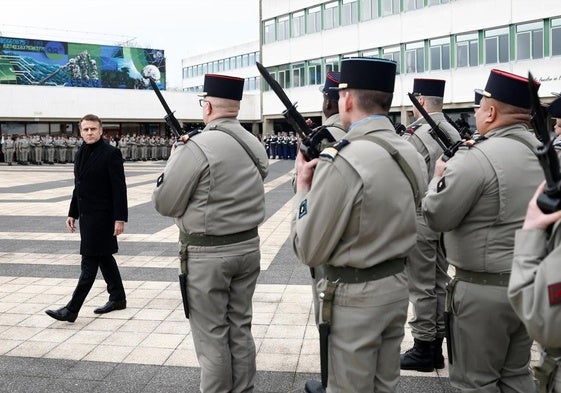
310 139
170 119
550 200
450 147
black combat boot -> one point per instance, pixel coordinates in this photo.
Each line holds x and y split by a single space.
314 386
418 358
437 356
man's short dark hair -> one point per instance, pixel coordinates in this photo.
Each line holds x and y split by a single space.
90 117
372 101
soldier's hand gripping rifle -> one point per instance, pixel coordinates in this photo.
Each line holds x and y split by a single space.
170 119
550 200
310 140
450 147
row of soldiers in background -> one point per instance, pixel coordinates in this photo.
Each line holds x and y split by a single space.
283 146
143 147
39 149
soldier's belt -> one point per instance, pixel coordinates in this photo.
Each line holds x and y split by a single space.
483 278
210 240
351 275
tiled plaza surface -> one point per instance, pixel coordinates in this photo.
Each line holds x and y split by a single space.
148 346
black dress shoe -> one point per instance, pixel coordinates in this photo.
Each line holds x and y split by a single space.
314 386
111 306
62 314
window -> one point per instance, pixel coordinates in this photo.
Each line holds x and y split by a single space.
314 72
556 37
332 64
314 20
349 12
331 15
269 31
283 28
298 24
368 9
496 46
273 74
467 50
390 7
440 54
298 75
409 5
529 41
393 53
238 61
371 53
415 57
284 77
436 2
251 59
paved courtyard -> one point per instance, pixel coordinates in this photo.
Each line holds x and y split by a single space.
147 347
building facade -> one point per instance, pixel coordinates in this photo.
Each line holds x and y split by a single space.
456 40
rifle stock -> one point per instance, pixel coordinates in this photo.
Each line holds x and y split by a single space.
550 200
170 117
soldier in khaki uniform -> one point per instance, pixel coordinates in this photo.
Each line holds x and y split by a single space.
535 281
355 225
479 199
8 148
427 266
534 288
213 187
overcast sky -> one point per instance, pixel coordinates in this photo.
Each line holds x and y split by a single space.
181 28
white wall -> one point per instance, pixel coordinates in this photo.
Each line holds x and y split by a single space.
48 103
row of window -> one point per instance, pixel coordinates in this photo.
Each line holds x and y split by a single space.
517 42
250 84
334 14
230 63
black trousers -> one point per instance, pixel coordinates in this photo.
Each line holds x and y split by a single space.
110 273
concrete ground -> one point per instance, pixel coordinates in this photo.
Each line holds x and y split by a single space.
147 347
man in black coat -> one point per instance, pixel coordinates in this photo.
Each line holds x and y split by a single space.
99 201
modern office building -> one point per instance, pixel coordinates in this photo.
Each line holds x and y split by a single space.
456 40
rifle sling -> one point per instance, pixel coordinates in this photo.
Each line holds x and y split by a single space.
242 144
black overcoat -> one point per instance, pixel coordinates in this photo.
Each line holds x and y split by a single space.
99 198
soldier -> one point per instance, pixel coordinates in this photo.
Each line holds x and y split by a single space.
478 198
554 111
154 148
274 146
133 147
213 187
37 149
22 145
50 149
73 146
357 234
267 144
143 147
123 146
8 148
427 266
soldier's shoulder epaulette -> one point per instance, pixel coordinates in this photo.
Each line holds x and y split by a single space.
411 129
332 151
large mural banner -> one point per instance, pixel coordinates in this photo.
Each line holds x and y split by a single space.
55 63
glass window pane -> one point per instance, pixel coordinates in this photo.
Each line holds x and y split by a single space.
556 41
435 58
537 44
522 46
314 20
491 50
462 55
503 49
420 60
445 57
473 54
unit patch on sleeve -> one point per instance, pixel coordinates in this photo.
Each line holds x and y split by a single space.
160 180
554 294
441 185
303 210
